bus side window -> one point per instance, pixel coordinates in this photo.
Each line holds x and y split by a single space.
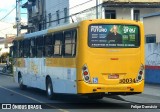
40 46
11 51
33 48
26 47
58 44
70 43
21 49
74 42
15 49
48 45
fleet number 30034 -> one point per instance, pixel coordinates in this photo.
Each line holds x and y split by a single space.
127 81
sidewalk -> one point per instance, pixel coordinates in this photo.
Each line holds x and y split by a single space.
152 89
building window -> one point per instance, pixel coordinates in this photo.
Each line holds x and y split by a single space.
136 15
110 14
49 17
57 15
151 38
65 15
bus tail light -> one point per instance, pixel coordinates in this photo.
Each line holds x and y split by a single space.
140 74
85 73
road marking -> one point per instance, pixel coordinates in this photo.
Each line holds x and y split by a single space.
55 107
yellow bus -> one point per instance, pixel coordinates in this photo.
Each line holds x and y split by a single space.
91 57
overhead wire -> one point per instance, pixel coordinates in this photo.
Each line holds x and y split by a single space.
74 14
72 7
8 14
5 21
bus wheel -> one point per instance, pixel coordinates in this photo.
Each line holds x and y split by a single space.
20 81
49 89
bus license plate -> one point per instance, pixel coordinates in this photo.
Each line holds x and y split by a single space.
113 76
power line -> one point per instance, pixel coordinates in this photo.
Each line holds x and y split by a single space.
81 4
7 14
73 7
75 14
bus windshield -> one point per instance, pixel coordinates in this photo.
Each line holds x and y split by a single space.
114 36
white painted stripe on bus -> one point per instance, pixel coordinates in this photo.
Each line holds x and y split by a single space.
55 107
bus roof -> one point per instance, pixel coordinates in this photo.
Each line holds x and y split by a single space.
72 25
34 34
50 30
63 27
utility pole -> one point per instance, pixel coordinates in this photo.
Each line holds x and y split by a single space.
132 13
96 9
18 16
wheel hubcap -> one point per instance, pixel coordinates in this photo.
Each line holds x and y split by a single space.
49 89
20 81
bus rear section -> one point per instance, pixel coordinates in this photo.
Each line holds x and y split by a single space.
112 58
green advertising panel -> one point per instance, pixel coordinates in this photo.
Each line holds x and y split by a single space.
114 36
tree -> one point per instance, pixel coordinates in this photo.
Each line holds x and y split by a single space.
4 56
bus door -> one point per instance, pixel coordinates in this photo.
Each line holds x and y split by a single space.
37 60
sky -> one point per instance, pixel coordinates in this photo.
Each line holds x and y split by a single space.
7 23
5 7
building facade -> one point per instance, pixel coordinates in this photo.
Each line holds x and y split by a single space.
36 15
152 26
129 9
152 34
152 52
43 14
5 43
60 12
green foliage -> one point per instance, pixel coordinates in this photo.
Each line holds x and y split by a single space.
4 56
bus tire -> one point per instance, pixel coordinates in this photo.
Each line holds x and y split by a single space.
20 81
49 88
